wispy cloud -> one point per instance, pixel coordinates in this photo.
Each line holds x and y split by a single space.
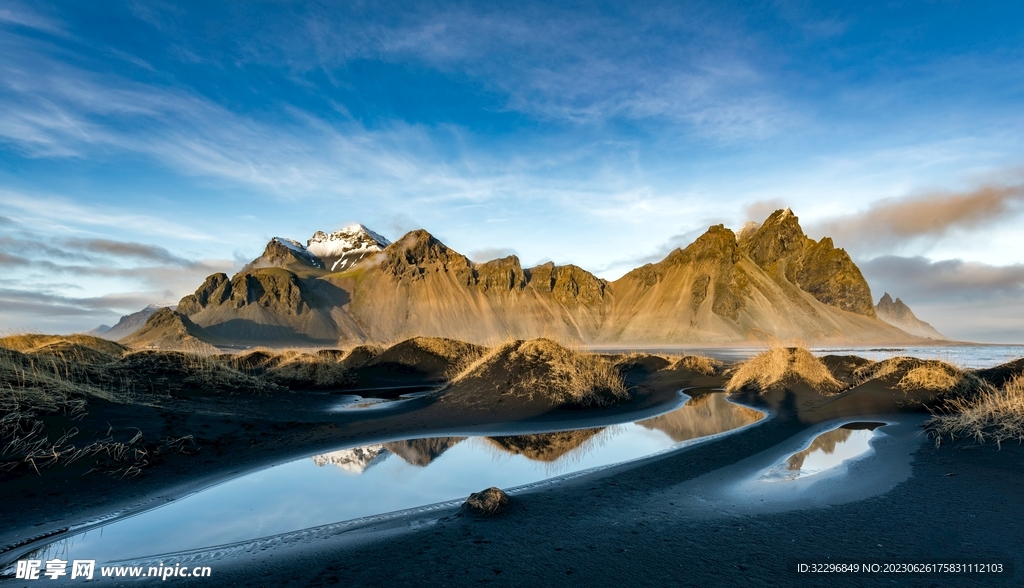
968 301
55 110
56 214
16 13
921 279
890 222
140 251
578 67
131 275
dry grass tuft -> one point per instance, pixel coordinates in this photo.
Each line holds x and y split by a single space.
930 378
781 365
305 370
699 363
545 369
30 342
990 415
923 374
35 389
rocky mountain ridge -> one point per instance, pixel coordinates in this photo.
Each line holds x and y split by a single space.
771 281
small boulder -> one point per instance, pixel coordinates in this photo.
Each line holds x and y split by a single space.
488 502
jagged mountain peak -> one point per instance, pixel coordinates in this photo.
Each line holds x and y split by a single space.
712 290
778 238
284 252
348 233
421 246
897 313
345 247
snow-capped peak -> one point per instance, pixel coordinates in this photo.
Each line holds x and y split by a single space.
290 244
344 248
356 460
297 249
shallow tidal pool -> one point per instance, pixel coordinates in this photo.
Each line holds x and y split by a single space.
828 450
357 482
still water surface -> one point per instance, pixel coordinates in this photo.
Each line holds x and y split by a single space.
373 479
828 450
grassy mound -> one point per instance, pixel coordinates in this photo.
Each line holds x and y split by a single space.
71 346
999 375
781 366
42 398
311 371
428 358
541 368
991 415
176 373
843 367
926 375
700 364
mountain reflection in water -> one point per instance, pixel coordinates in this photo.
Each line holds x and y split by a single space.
702 416
363 481
705 415
828 450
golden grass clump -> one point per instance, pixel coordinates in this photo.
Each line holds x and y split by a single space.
305 370
543 368
698 363
990 415
781 365
29 342
436 357
922 374
930 378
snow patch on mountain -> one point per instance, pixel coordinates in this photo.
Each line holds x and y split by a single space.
344 248
281 251
356 460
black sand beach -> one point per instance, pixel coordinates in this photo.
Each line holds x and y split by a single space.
694 516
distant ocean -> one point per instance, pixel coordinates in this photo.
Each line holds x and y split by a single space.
965 356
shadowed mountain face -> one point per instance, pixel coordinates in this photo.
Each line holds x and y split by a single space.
170 330
422 452
899 314
773 281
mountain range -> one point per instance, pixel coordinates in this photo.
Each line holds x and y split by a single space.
353 286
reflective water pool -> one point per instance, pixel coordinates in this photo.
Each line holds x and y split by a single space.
361 481
828 450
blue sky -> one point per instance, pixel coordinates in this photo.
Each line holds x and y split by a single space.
144 145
